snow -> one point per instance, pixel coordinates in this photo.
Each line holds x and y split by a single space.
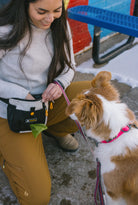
124 67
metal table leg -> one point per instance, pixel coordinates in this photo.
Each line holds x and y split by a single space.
115 52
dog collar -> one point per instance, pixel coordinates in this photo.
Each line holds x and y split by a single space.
124 129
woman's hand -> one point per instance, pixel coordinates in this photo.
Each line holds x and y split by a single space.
52 92
29 97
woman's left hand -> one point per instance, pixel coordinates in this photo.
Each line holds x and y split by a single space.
52 92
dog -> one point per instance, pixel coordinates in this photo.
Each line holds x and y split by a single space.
115 128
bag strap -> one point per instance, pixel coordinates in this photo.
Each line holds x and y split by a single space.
6 100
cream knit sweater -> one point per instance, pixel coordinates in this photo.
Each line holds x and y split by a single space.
33 79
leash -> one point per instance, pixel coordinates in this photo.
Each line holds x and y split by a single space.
98 187
76 121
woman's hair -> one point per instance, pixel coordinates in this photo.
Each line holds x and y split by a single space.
15 13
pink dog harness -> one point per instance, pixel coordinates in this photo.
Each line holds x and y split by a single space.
124 129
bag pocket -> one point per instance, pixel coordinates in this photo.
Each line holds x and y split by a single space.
22 113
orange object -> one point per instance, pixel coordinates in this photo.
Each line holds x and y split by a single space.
51 106
46 113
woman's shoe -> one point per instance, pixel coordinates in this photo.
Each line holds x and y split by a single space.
68 143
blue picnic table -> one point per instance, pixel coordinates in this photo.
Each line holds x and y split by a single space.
111 20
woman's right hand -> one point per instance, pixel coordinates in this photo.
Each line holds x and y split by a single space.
52 92
29 97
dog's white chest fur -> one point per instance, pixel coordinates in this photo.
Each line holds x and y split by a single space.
105 152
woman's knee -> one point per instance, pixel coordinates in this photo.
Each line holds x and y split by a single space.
38 194
77 87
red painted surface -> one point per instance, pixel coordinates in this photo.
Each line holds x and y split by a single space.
132 7
80 33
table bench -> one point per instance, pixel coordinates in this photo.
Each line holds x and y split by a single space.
111 20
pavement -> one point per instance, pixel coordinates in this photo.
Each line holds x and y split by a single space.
73 174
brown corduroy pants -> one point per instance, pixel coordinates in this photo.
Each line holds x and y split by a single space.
22 157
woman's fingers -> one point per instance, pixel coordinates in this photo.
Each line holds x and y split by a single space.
52 92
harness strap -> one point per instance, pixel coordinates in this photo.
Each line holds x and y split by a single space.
122 131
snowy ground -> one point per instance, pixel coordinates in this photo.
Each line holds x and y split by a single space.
124 67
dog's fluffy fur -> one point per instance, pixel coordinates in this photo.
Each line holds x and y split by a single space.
103 115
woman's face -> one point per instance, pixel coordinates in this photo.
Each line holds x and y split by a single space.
43 12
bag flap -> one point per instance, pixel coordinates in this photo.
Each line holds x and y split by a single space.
25 105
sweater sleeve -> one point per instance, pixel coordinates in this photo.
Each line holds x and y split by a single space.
67 74
8 90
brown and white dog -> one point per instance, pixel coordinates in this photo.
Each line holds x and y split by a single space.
99 109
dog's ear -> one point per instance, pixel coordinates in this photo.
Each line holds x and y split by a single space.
101 78
88 110
101 84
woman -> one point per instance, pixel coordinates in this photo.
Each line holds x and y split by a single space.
35 49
